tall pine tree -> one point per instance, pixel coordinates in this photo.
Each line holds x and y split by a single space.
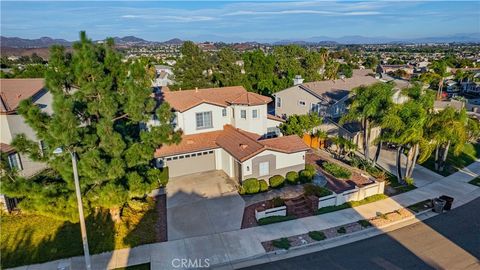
100 105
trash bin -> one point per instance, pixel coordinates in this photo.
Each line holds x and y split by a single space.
438 205
448 202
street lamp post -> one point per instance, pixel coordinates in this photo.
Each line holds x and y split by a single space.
83 228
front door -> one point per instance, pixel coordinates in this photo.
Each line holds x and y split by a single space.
263 169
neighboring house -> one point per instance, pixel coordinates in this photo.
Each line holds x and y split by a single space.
440 105
12 92
327 98
228 129
471 87
392 68
163 76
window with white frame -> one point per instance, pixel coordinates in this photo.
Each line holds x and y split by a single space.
279 102
224 112
243 114
15 162
204 120
301 103
254 113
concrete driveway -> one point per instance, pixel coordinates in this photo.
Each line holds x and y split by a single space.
202 204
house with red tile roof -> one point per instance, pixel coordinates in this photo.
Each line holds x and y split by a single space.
228 129
12 92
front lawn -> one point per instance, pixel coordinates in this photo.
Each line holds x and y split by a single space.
28 239
475 181
470 153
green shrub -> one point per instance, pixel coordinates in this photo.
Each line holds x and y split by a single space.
282 243
263 185
409 181
311 189
310 167
292 177
277 202
336 170
364 223
276 181
342 230
273 219
306 176
251 186
317 235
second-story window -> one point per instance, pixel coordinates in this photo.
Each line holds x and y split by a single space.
224 112
255 114
243 114
279 102
15 162
204 120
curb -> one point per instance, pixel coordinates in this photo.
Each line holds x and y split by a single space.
324 244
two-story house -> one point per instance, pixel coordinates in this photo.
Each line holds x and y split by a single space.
228 129
12 92
327 98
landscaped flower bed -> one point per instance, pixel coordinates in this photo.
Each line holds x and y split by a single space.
316 236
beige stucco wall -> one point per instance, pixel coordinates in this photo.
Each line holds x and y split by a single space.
290 98
256 125
279 163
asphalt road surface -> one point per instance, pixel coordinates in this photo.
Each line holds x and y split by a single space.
447 241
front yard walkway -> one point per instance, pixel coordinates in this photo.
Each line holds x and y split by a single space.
202 204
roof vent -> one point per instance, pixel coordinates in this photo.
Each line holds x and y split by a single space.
189 141
297 80
243 146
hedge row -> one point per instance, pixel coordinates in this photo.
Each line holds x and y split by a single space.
254 185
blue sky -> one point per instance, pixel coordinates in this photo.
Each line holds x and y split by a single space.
234 20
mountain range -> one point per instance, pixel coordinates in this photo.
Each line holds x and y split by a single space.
43 42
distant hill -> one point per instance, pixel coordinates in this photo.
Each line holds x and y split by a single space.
43 42
173 41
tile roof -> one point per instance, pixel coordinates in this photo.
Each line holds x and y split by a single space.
7 149
275 118
13 91
190 143
241 144
223 96
334 90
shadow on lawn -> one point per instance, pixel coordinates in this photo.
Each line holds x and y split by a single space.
31 244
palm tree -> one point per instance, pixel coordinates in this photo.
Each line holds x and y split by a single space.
440 68
444 129
404 126
369 105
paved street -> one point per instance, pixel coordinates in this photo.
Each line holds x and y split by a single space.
448 241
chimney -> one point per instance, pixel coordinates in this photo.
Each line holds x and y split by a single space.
196 89
243 146
297 80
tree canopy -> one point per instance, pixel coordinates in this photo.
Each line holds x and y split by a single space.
100 105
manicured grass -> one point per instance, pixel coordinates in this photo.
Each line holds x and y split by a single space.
274 219
337 170
475 181
420 206
470 153
346 205
29 238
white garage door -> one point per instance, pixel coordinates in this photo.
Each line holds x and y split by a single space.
190 163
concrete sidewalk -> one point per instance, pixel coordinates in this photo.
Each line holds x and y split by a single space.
229 248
